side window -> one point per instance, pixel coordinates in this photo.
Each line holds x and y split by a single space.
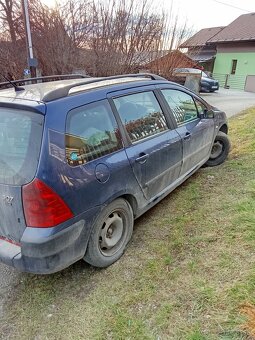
141 115
200 106
91 132
182 105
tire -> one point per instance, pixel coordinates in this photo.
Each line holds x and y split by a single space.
220 150
110 234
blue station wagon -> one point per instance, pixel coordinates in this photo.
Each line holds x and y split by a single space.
81 158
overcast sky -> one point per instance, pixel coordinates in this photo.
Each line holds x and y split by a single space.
202 13
210 13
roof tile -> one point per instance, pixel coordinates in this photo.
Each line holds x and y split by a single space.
201 37
241 29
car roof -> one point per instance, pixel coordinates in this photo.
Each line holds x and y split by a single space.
36 92
52 90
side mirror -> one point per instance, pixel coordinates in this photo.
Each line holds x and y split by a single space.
209 114
206 114
203 114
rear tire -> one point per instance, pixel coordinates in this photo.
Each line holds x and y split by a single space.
220 150
111 234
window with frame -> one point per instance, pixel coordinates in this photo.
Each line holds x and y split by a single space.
141 114
91 132
182 105
233 66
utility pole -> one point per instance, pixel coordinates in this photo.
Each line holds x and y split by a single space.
32 62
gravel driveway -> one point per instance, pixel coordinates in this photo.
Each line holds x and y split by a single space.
230 101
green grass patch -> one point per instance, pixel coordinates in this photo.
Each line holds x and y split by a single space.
189 267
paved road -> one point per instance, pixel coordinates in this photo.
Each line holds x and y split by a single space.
230 101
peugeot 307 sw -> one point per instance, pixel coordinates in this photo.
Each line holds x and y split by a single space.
81 159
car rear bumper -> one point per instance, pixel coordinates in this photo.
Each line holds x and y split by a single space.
45 255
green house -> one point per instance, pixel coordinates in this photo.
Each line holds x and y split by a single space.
202 53
234 52
234 65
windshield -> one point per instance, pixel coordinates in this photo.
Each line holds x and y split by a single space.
20 141
205 75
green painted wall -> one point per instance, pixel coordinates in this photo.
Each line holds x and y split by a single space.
245 66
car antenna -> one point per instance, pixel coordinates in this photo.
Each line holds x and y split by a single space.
16 87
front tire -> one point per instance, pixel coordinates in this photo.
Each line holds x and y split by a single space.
220 150
111 234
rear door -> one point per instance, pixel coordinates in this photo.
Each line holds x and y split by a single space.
153 148
20 141
196 133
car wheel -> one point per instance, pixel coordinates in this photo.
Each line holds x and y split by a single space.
111 234
220 150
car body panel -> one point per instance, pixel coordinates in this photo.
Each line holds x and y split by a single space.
12 222
162 164
197 138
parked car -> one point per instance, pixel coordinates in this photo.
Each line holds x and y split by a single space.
207 83
82 158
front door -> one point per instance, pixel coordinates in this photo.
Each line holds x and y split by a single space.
196 133
154 150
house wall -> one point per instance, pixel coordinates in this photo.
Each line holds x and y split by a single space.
245 66
236 48
201 52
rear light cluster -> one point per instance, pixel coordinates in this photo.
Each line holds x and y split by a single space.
43 208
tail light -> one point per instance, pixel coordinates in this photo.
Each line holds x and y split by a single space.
43 208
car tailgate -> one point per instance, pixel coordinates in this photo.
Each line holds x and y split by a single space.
20 143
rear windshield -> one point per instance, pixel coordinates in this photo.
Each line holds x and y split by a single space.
20 141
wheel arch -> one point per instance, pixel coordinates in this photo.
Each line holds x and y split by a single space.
127 197
224 128
132 201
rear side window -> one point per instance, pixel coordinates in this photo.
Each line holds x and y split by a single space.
182 105
20 142
141 115
91 132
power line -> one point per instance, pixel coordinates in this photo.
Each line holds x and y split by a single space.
224 3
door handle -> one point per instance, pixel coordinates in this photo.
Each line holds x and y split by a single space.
187 136
142 158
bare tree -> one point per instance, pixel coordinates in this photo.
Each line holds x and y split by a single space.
175 31
102 39
122 31
9 13
60 34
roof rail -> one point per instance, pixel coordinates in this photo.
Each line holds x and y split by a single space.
44 78
64 91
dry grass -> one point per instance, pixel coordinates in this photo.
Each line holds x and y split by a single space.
187 270
249 311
